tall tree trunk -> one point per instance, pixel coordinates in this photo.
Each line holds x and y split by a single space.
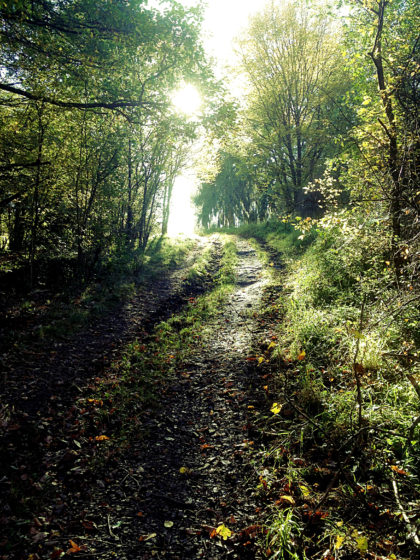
129 223
391 132
35 206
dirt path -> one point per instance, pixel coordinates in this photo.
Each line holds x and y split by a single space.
190 470
30 376
192 473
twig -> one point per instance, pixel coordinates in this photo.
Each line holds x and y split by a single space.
356 366
414 383
113 535
308 418
413 533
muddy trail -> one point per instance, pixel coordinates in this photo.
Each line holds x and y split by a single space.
185 487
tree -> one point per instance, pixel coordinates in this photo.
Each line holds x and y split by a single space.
291 58
383 41
89 144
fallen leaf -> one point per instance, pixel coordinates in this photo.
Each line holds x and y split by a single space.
168 524
101 438
74 548
398 470
339 541
305 490
301 355
144 538
287 499
362 544
223 531
276 408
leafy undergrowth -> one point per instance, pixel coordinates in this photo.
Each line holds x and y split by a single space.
339 467
339 463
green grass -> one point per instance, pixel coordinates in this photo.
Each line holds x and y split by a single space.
340 320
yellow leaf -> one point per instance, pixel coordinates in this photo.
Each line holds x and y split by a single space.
271 264
184 470
362 544
271 345
287 499
276 408
260 360
305 490
101 438
168 524
339 541
301 355
223 531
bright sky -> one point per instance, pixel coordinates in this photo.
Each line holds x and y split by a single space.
224 20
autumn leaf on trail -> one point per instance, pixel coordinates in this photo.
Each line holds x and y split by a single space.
339 541
144 538
260 360
305 490
184 470
74 548
301 355
276 408
271 345
287 499
361 542
398 470
101 438
223 531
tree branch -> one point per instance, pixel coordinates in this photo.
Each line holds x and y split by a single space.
119 104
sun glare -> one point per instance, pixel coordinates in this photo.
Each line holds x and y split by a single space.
181 216
187 100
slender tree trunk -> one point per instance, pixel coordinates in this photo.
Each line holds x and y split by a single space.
35 212
129 223
391 132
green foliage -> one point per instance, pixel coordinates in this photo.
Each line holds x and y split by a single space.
90 145
294 107
282 536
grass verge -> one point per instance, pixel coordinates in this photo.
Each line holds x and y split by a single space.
339 464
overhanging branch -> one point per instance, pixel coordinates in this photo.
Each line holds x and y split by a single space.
119 104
